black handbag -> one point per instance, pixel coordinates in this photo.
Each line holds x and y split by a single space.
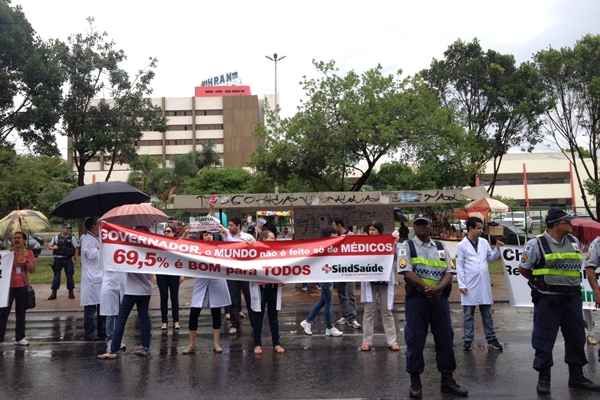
30 298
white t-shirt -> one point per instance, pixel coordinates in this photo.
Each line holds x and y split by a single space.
138 284
240 237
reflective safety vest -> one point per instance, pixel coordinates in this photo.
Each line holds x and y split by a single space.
559 267
431 271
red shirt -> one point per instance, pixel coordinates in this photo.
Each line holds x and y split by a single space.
20 270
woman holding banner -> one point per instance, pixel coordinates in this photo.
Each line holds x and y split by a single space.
23 264
169 285
138 290
324 302
378 296
211 293
266 297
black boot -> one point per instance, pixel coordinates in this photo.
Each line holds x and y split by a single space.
53 295
450 386
543 386
578 381
415 391
71 294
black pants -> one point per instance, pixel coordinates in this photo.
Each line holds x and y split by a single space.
93 322
168 284
19 296
268 303
195 314
421 313
236 289
549 314
58 265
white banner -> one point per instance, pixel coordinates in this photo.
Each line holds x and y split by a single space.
6 263
520 292
337 259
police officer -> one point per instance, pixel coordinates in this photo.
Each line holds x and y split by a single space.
591 264
64 249
552 263
427 271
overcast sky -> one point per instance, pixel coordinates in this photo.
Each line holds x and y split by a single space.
194 40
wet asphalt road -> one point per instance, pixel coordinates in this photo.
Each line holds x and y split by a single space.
58 365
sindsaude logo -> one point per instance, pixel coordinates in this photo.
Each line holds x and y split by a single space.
354 268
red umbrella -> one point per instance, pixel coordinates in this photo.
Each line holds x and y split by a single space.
586 229
135 215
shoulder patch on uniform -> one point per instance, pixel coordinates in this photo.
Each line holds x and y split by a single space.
402 263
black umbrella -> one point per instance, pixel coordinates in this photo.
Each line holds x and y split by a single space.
96 199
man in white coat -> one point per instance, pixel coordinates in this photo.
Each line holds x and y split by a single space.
472 257
91 282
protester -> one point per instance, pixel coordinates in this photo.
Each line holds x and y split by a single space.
64 250
345 290
324 302
207 293
138 290
237 288
266 297
592 263
378 296
111 293
23 264
169 284
552 264
91 282
474 283
427 271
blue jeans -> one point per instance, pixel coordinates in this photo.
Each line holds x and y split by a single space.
57 267
486 317
111 325
142 303
347 302
324 301
93 322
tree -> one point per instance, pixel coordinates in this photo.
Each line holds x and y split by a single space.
571 79
219 180
497 102
32 182
344 127
105 111
30 83
142 169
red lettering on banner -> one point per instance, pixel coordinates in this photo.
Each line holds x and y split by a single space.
243 251
287 270
207 267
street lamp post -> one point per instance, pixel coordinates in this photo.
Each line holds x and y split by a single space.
275 58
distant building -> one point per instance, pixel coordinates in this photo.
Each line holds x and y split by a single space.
550 180
226 116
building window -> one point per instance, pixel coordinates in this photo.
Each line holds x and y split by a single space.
533 178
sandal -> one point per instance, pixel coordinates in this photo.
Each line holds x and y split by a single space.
365 347
106 356
394 347
217 349
189 350
258 350
279 349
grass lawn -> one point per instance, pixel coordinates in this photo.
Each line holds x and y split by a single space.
43 272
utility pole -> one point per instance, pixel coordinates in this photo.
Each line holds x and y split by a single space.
275 58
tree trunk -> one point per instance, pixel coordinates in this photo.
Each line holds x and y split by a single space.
81 174
113 158
497 163
363 179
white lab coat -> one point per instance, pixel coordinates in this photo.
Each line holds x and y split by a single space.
111 292
366 290
91 270
210 293
255 298
472 271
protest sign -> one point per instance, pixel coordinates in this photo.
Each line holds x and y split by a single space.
6 262
206 223
337 259
520 292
